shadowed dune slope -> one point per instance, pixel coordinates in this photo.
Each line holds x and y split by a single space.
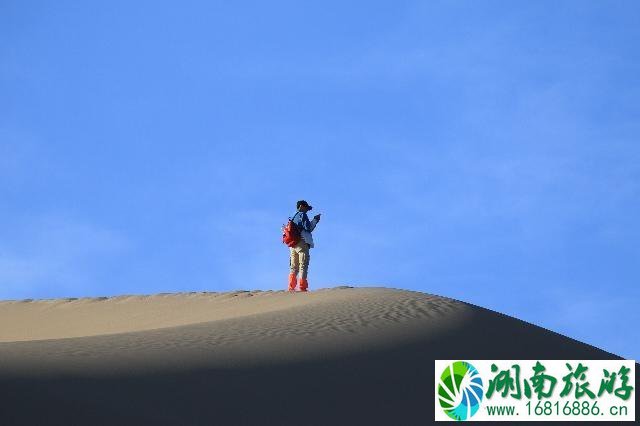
333 356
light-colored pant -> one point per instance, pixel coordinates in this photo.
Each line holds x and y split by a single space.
299 259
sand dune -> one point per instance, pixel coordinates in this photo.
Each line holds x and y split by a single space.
172 331
28 320
333 356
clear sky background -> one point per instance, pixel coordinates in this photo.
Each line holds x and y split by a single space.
485 151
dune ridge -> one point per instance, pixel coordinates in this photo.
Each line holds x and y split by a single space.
232 328
83 317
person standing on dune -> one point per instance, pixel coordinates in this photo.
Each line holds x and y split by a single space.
299 254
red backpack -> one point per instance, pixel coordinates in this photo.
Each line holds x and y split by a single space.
291 233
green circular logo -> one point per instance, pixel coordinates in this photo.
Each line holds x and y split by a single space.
460 390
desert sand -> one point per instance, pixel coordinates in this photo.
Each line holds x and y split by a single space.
335 356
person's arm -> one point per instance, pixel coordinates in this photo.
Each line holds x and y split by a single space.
308 225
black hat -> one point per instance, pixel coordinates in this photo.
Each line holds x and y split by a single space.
303 203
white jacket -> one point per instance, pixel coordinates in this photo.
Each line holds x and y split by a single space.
306 226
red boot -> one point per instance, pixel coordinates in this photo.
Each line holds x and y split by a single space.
292 282
303 284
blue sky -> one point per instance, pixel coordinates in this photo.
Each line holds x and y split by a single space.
485 151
